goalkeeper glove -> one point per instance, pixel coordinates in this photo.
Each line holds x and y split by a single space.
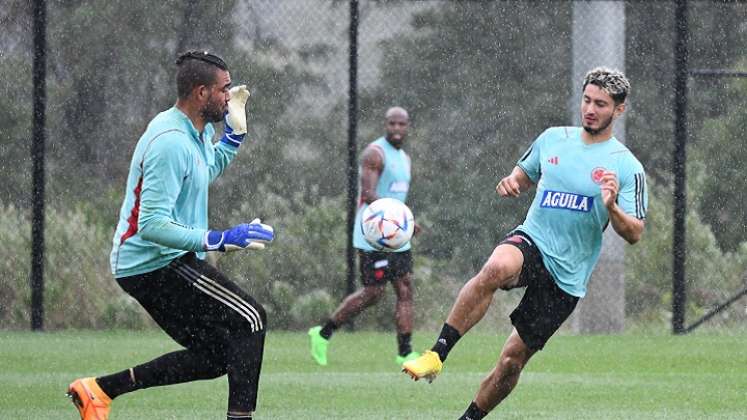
252 235
234 122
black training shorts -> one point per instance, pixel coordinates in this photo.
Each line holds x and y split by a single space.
379 267
544 306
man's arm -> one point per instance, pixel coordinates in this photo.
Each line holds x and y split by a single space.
627 226
163 171
164 166
234 131
372 163
514 184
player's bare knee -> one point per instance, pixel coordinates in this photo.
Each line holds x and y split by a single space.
404 292
406 295
495 275
510 366
372 295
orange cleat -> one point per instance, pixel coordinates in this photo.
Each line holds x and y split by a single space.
90 400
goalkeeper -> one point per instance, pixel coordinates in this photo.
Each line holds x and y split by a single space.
161 241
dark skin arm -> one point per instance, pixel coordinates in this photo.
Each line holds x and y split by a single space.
372 164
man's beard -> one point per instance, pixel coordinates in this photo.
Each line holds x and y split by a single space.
395 142
601 128
212 113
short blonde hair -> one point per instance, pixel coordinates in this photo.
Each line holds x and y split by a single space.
613 82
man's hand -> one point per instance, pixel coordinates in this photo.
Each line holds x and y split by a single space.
417 230
610 188
508 187
234 122
514 184
252 235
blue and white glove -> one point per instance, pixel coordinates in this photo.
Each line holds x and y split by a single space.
252 235
234 122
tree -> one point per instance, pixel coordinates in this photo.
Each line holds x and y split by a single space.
481 82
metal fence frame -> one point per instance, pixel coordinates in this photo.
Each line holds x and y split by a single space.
682 75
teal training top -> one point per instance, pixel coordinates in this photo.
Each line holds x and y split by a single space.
567 217
394 182
165 210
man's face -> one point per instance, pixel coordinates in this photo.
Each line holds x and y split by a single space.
597 109
396 129
216 97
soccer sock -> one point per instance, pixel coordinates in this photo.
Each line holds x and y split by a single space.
473 413
403 343
171 368
328 329
446 340
118 383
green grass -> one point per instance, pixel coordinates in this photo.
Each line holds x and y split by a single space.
575 377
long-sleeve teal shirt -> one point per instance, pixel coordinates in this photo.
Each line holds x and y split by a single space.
165 209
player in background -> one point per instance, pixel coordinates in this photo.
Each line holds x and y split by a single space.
384 172
586 180
161 241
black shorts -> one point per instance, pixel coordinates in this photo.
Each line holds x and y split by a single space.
379 267
544 306
195 304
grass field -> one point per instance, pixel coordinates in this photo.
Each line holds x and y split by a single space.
575 377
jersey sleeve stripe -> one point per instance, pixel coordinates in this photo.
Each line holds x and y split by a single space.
639 190
526 154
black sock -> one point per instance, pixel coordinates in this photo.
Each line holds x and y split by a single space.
117 384
473 413
403 342
446 340
328 329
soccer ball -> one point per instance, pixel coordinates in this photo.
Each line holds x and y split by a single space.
387 224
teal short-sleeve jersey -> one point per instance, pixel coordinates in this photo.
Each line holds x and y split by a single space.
567 216
165 210
394 182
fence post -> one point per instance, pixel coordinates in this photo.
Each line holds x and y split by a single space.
603 308
37 158
352 170
679 160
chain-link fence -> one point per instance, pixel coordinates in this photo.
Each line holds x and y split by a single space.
481 80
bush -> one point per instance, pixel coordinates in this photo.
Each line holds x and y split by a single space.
79 290
712 275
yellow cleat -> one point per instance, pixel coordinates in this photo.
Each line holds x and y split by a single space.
90 400
427 366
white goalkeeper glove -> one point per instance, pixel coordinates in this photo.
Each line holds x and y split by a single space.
234 123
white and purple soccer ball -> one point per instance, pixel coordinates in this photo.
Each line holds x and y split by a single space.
387 224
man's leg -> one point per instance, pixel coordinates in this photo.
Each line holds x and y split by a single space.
235 322
542 310
171 368
350 307
374 269
403 315
214 335
501 271
502 379
165 300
